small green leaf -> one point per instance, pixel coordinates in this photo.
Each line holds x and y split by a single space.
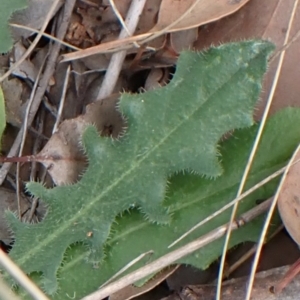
171 129
7 7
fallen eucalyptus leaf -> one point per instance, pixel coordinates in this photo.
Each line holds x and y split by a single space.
289 200
204 12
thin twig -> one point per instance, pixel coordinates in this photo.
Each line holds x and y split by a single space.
37 144
269 216
62 100
129 265
49 36
285 47
119 16
6 293
24 134
35 201
36 148
177 254
117 59
248 254
21 277
34 43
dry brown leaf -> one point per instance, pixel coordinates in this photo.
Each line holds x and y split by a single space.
66 160
27 69
16 100
267 20
289 200
205 11
183 40
157 78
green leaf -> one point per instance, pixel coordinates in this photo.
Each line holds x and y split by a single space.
7 7
2 113
192 198
170 129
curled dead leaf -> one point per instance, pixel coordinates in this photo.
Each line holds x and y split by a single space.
289 200
63 156
289 209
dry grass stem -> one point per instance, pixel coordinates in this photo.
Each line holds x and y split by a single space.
129 265
62 100
49 36
21 277
273 206
248 254
6 292
24 134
